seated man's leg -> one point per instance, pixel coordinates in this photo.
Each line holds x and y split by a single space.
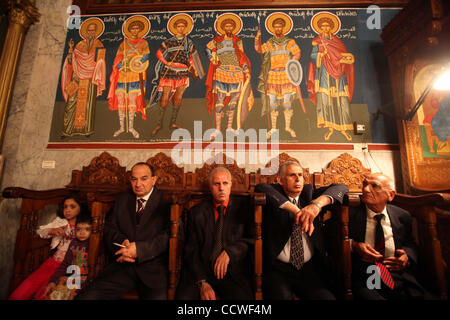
115 281
147 293
361 293
277 285
236 287
186 289
309 285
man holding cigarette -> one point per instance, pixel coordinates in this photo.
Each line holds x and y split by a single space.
137 233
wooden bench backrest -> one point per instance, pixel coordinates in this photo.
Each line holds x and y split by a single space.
104 178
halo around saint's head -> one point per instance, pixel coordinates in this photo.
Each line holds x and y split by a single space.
180 17
218 25
139 20
86 23
288 24
332 19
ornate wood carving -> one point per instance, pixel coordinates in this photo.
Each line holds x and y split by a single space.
347 170
168 173
104 171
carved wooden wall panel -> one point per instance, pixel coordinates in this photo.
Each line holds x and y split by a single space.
103 171
168 173
347 170
108 6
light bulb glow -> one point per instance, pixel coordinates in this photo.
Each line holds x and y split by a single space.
443 82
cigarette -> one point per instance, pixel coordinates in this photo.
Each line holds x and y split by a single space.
119 245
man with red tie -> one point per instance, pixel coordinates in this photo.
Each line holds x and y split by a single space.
218 238
382 235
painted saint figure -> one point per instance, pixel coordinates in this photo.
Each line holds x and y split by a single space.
127 90
331 76
177 57
273 80
83 79
228 80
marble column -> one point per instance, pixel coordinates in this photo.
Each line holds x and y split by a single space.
22 13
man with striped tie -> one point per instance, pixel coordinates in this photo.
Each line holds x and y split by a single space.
136 232
294 249
382 235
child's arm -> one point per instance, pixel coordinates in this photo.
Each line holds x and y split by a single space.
53 229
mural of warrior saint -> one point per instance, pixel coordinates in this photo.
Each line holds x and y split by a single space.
177 58
228 80
274 82
128 77
331 76
83 79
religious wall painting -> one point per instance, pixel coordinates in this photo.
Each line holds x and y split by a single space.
83 79
433 116
228 86
178 60
292 70
277 90
128 77
331 76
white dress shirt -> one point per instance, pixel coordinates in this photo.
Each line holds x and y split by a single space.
371 225
308 248
145 200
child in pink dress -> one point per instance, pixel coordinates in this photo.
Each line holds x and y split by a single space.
62 231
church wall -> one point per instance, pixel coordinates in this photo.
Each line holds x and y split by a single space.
29 121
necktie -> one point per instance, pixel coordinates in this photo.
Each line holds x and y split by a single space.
140 210
379 246
296 254
379 234
217 249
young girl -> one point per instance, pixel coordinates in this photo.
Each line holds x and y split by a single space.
62 231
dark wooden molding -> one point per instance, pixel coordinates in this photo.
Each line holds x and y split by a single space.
91 7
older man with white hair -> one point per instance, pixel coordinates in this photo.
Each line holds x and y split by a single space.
216 253
295 259
382 235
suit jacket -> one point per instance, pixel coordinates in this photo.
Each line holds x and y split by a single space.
401 223
151 235
278 223
200 238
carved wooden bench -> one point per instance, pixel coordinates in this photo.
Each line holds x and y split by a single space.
98 184
104 178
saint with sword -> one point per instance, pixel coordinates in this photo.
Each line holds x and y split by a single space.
177 58
127 89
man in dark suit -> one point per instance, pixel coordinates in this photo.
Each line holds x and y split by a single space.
137 232
394 246
294 249
218 266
